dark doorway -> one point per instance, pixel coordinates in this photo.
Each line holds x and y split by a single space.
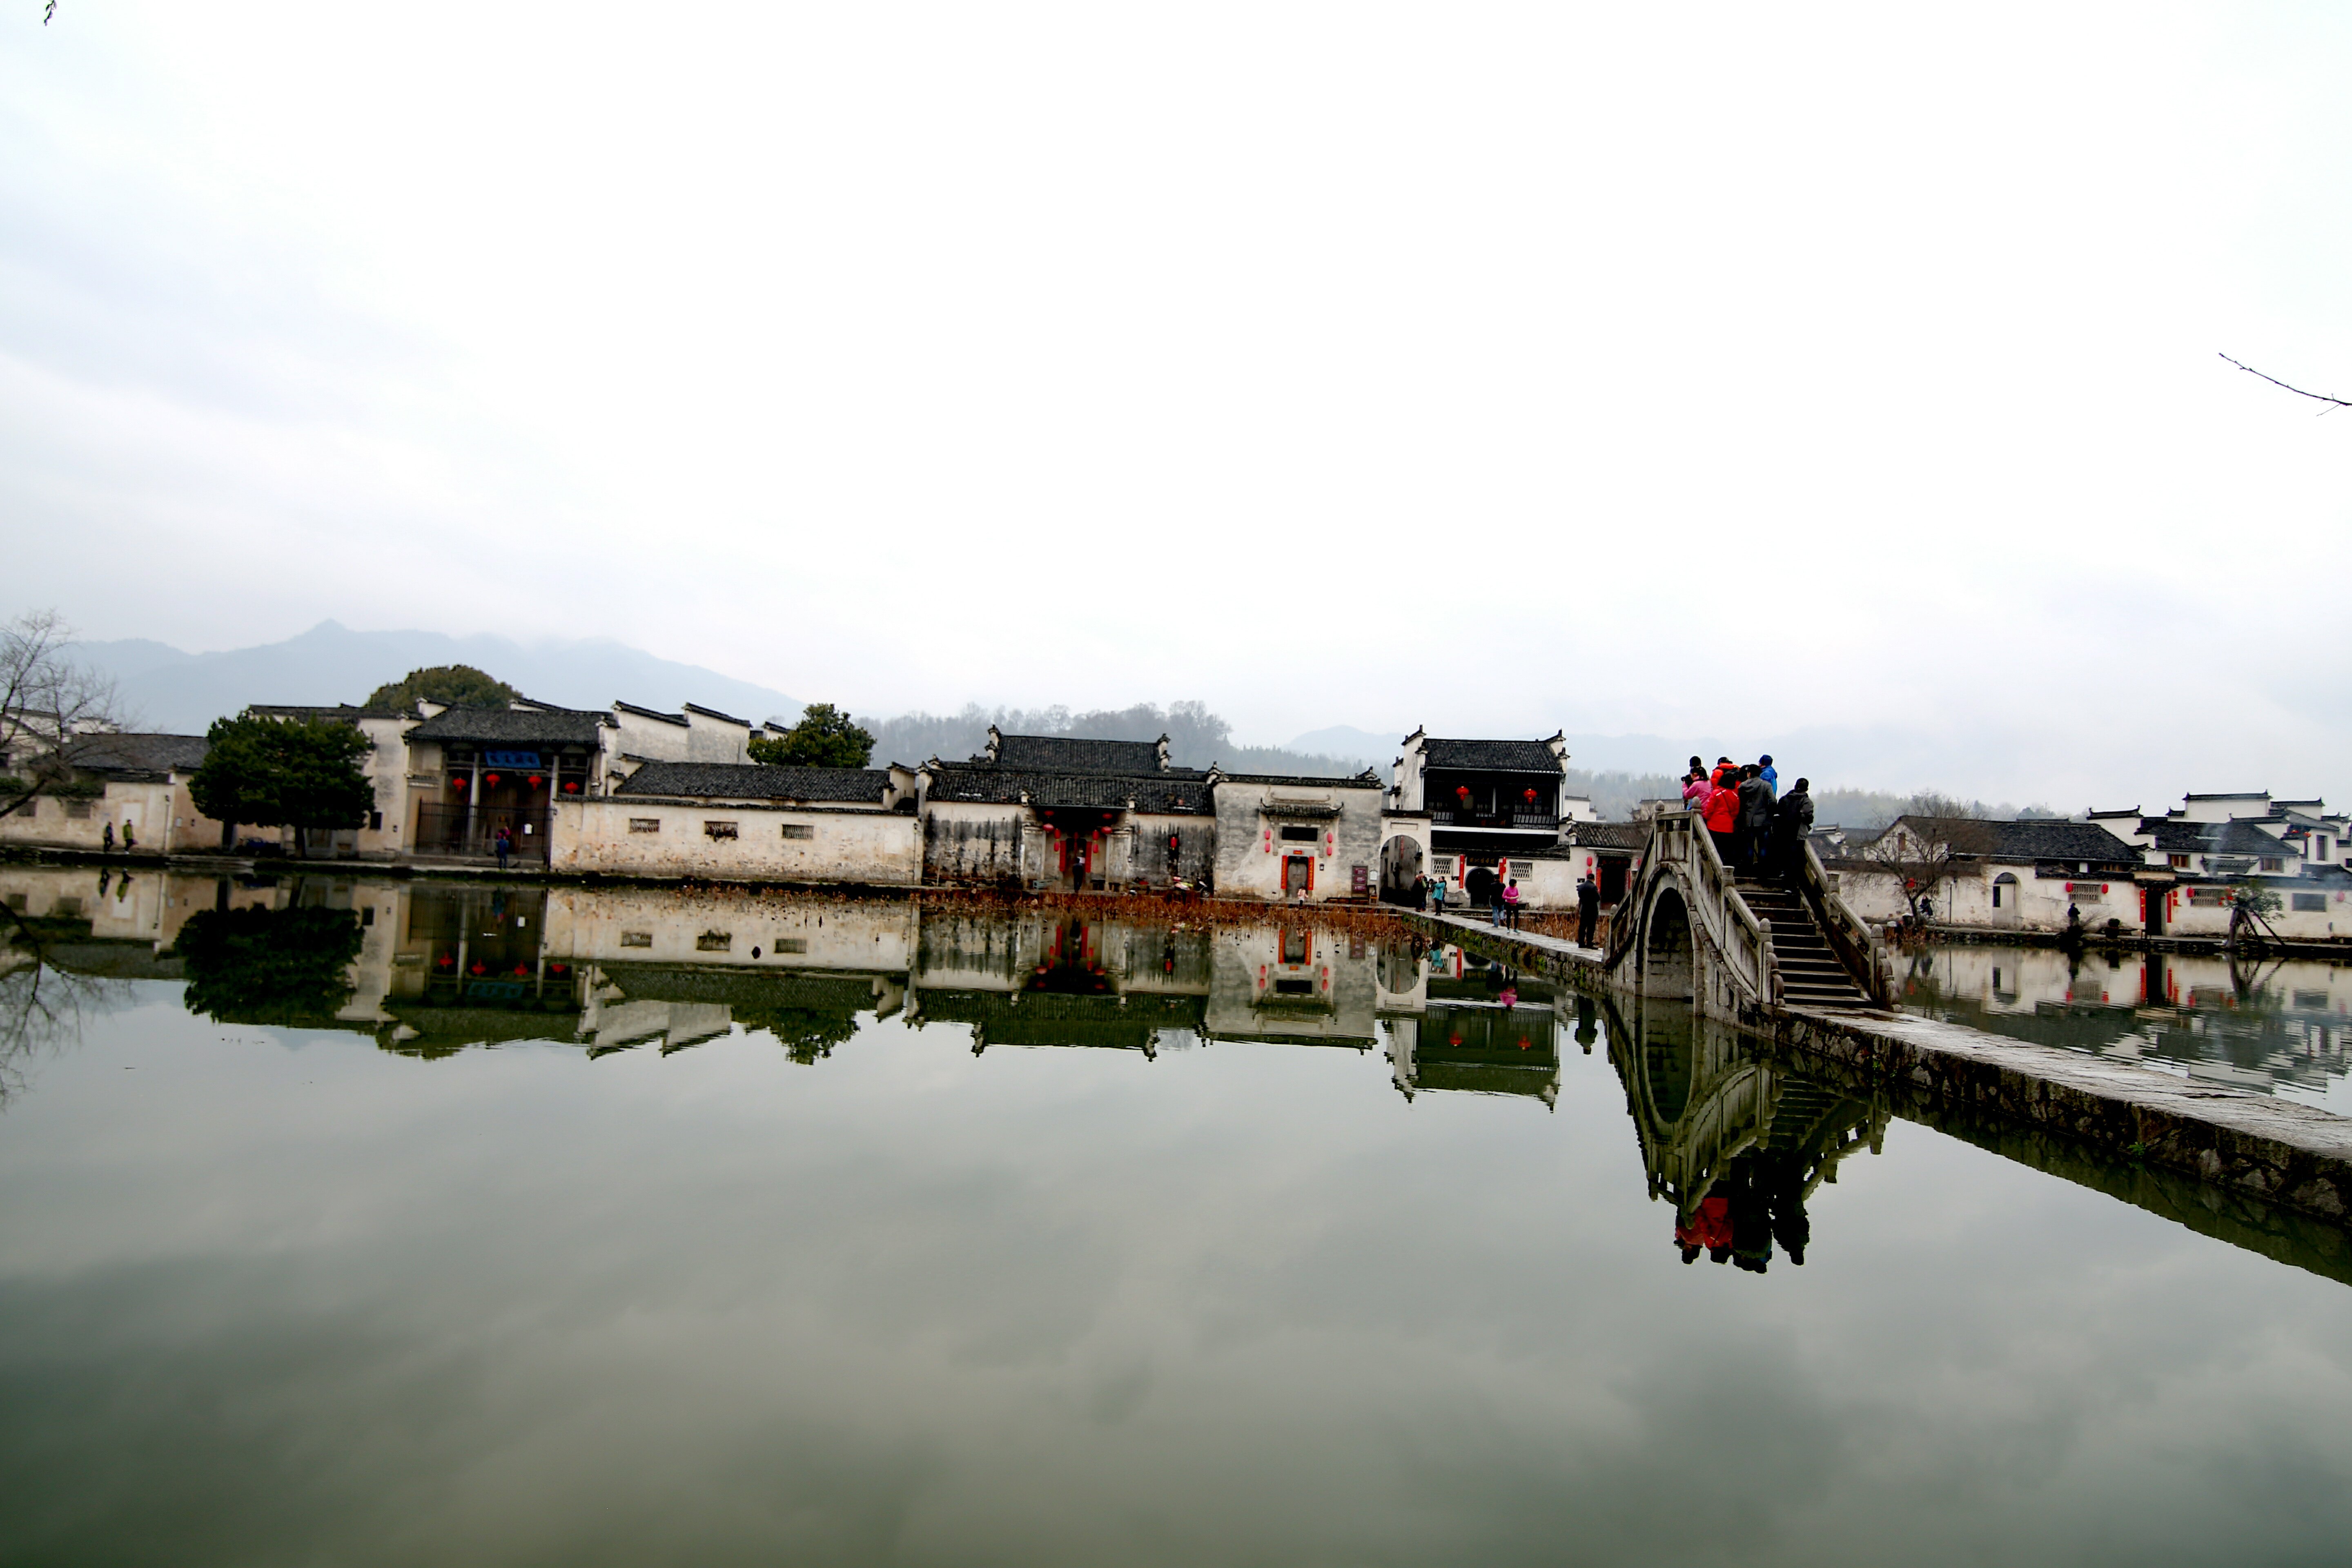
1612 878
1298 874
2155 899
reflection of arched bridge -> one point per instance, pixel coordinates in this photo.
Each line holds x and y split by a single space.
1736 1144
1737 945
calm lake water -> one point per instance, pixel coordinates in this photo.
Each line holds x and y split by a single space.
385 1224
2280 1026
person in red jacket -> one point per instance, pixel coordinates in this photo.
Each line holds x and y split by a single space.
1722 821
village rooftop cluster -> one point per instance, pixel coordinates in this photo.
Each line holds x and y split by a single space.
638 792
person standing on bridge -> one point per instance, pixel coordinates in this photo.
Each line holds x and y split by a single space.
1722 816
1755 827
1437 897
1768 774
1696 787
1511 904
1792 819
1588 910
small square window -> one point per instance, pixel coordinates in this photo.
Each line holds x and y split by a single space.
715 941
636 939
799 830
792 944
719 830
645 825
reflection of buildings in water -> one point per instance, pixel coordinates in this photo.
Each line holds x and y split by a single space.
2251 1026
1039 979
1298 984
1735 1144
1475 1027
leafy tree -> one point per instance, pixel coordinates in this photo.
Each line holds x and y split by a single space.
454 685
271 966
825 738
283 773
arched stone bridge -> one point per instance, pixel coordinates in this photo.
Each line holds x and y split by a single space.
1736 947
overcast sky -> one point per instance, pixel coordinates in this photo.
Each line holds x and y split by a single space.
1724 371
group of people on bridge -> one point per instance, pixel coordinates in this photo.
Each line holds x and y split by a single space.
1758 831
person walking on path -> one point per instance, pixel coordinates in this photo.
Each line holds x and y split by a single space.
1494 902
1722 816
1511 904
1792 819
1588 910
1437 897
106 842
129 836
503 844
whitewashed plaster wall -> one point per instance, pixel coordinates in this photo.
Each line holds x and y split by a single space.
868 848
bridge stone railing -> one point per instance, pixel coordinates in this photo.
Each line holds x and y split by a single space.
1734 966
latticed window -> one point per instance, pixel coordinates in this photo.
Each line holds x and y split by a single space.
645 825
799 830
719 830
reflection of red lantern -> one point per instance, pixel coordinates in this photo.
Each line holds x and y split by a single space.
478 968
457 784
492 779
447 960
521 969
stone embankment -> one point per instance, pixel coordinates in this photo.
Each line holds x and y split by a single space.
2274 1150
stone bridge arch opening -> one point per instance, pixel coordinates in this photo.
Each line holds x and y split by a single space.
1669 966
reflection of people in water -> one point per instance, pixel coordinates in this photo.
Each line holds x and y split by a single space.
1707 1230
1758 1200
1586 1033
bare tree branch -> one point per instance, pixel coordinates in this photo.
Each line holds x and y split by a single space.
2314 396
54 710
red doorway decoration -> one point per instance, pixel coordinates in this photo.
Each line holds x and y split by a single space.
1463 791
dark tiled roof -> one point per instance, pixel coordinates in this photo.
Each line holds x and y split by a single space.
1071 754
557 727
655 713
343 712
715 713
1365 780
1495 756
2175 837
757 780
1159 793
1610 835
139 753
2039 839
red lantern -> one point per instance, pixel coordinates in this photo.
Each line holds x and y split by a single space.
492 779
1531 798
571 786
1462 790
535 783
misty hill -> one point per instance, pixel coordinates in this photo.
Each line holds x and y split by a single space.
1196 737
168 689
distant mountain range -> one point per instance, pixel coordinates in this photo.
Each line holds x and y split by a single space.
167 689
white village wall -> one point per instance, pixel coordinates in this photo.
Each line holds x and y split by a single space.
973 841
871 847
1251 850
